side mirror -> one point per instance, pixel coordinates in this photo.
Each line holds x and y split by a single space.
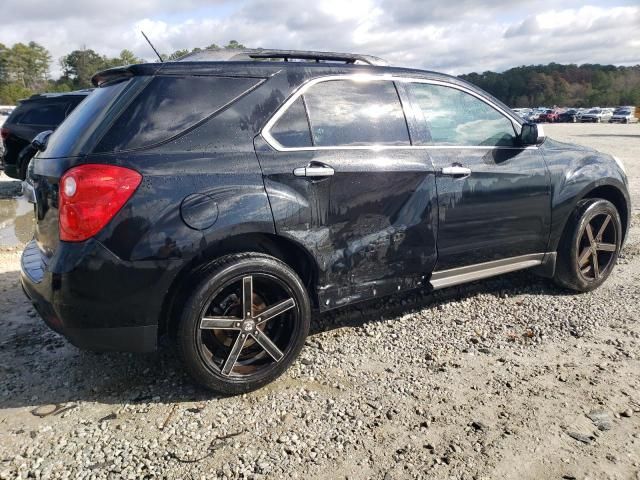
531 134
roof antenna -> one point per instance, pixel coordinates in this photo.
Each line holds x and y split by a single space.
151 45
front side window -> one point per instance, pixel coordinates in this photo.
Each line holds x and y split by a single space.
350 113
458 118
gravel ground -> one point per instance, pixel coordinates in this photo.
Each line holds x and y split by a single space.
506 378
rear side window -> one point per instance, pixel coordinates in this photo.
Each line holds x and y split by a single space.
292 128
349 113
168 106
458 118
39 113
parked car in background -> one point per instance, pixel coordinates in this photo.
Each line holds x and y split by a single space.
624 115
5 112
31 116
595 115
532 116
550 115
522 112
220 202
570 116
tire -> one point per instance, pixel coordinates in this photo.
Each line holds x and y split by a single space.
583 265
22 170
230 352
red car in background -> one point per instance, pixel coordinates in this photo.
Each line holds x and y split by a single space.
549 116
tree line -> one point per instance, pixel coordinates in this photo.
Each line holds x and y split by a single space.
562 85
24 70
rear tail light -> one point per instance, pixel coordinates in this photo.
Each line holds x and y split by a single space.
90 196
4 133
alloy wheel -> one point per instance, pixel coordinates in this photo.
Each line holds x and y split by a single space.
248 326
598 244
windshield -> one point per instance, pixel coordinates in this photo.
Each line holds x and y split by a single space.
594 110
622 112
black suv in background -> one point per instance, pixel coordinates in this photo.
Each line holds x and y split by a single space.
31 116
221 201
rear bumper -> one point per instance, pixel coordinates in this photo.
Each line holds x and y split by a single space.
97 301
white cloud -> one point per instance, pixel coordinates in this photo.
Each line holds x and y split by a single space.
454 37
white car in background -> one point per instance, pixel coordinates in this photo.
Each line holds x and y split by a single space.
596 115
624 115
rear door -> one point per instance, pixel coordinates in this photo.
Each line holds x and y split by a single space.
493 195
344 181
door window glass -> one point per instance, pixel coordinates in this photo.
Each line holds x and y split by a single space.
455 117
292 128
349 113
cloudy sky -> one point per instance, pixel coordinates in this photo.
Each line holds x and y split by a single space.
452 36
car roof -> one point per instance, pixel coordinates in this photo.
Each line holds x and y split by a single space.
261 69
240 54
253 64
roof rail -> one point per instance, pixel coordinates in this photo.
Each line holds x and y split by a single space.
236 55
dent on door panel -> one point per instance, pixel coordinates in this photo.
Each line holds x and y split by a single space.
370 227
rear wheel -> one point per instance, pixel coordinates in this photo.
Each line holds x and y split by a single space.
244 324
590 246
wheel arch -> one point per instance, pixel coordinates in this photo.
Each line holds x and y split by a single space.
284 249
610 191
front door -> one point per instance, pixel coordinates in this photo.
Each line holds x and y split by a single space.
493 195
344 182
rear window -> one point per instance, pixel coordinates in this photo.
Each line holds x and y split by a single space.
41 113
168 106
79 128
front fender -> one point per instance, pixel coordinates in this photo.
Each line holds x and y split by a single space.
578 173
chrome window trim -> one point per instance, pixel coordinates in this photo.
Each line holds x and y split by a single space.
266 130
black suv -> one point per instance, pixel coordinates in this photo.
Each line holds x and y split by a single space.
221 201
33 115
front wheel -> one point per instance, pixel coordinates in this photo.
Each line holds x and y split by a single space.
590 245
244 324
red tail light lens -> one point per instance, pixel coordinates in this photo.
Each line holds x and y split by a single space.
90 196
4 133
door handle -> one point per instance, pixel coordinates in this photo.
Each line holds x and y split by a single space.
456 171
313 171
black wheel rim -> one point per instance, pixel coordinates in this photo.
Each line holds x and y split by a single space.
248 326
597 247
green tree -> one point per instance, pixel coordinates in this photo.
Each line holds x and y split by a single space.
80 65
175 55
234 44
27 65
126 58
11 92
562 85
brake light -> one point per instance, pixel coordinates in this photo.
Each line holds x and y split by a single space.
4 133
90 196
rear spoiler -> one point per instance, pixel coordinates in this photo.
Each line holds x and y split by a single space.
127 71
